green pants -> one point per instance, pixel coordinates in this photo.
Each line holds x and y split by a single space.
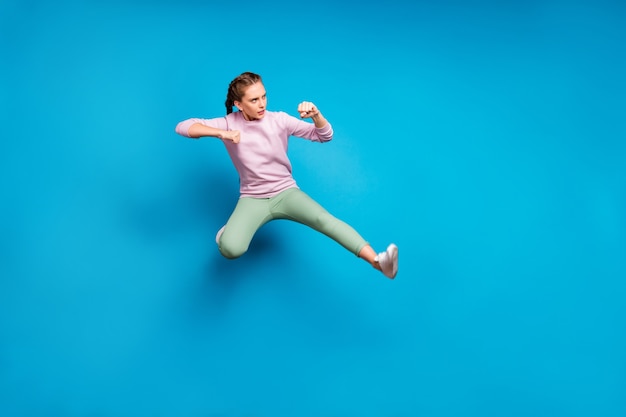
292 204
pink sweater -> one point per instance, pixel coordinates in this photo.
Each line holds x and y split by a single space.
260 157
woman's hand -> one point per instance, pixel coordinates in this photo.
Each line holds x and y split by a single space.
307 109
232 135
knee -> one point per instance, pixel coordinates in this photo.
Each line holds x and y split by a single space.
232 250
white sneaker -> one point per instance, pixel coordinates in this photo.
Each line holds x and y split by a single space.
219 235
388 261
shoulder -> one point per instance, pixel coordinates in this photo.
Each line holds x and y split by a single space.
283 119
280 115
234 121
232 117
277 119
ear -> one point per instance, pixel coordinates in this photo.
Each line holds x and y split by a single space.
237 104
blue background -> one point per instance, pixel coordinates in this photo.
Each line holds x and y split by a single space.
487 139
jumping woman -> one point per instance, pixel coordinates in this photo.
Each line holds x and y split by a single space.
256 140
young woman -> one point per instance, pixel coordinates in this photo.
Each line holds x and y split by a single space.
256 140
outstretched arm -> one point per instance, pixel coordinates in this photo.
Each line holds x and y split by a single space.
308 109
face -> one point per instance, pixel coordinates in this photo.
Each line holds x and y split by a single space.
253 102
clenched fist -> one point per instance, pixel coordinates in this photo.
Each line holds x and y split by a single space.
307 109
232 135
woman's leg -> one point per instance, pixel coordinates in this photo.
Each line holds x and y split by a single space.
249 215
296 205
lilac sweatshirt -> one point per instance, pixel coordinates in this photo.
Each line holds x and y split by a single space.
260 157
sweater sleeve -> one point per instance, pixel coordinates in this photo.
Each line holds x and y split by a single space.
305 130
183 127
325 133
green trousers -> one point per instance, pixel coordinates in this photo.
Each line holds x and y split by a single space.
292 204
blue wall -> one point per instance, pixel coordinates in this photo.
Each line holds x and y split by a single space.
487 139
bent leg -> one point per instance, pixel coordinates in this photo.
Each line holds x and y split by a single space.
249 215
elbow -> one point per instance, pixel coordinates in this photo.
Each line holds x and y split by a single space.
329 136
326 133
182 129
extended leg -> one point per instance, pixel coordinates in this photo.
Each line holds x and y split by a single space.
296 205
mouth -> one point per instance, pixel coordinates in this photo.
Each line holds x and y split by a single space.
261 113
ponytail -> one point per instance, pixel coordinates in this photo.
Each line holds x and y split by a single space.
229 106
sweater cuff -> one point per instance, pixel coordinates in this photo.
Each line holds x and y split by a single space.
326 132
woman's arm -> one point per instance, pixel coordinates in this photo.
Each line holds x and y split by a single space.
319 131
198 128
